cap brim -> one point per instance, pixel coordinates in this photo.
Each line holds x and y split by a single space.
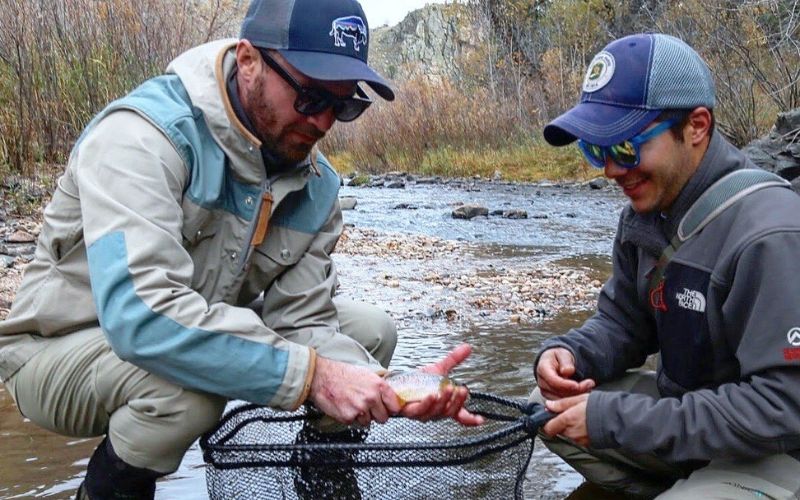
598 123
336 67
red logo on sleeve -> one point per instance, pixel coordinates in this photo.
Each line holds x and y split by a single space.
792 354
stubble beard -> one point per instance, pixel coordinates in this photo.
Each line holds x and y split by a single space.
262 114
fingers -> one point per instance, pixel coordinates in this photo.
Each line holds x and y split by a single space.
449 403
565 404
453 359
566 420
464 417
553 372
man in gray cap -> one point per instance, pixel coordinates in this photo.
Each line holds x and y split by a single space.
704 273
185 256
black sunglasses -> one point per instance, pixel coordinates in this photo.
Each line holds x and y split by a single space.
312 100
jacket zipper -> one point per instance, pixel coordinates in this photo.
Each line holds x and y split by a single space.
260 227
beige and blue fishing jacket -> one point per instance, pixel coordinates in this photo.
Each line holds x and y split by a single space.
161 230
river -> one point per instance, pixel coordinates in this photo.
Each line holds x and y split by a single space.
568 226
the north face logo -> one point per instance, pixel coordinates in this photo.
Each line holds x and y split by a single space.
691 300
349 27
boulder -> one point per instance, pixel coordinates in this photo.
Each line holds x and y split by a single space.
779 151
515 213
469 211
348 202
598 183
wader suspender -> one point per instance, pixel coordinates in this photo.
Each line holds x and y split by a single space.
714 200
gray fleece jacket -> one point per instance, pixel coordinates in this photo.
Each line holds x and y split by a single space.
726 327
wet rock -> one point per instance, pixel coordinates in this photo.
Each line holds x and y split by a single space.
598 183
6 261
540 216
469 211
21 237
359 180
571 215
496 213
395 184
17 249
405 206
515 213
429 180
348 202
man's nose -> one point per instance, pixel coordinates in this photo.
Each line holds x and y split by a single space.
323 120
612 170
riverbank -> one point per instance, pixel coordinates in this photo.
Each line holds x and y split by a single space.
417 276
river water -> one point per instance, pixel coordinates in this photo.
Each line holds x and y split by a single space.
568 226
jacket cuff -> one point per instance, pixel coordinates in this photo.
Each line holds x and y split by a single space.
599 411
312 367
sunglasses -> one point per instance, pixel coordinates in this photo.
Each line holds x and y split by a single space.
626 153
311 100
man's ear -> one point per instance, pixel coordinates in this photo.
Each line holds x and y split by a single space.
248 60
699 126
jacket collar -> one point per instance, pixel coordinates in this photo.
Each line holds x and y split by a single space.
653 231
204 71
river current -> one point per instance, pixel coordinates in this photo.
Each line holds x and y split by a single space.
571 226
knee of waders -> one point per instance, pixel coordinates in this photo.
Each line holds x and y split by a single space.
158 438
202 412
382 338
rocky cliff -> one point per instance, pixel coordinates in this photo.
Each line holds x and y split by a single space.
779 152
435 42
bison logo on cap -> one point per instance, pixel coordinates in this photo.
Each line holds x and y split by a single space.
350 27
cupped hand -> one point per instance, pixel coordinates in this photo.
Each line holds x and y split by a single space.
448 402
554 371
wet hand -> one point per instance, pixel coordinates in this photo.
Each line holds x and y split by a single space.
350 393
448 402
554 371
571 419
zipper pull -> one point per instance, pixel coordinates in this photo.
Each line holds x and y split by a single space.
263 219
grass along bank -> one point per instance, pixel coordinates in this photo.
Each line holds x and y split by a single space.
531 161
439 128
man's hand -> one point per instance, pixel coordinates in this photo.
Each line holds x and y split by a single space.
571 419
449 402
553 373
350 393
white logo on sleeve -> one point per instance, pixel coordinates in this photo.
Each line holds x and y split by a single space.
794 337
691 300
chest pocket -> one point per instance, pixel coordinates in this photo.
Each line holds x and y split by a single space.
200 227
682 323
282 249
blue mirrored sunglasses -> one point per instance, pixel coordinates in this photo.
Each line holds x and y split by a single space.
626 153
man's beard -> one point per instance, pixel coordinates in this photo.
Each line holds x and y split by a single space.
261 113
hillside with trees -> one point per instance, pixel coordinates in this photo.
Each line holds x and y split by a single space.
476 80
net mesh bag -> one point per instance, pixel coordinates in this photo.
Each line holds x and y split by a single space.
257 452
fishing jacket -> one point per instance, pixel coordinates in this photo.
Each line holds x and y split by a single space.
725 322
161 230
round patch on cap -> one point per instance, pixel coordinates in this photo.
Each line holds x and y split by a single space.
601 69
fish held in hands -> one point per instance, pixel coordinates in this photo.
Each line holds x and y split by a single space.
416 385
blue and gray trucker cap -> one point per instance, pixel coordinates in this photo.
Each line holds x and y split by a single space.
323 39
627 86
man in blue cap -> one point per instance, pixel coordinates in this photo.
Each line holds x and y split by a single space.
704 273
185 256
